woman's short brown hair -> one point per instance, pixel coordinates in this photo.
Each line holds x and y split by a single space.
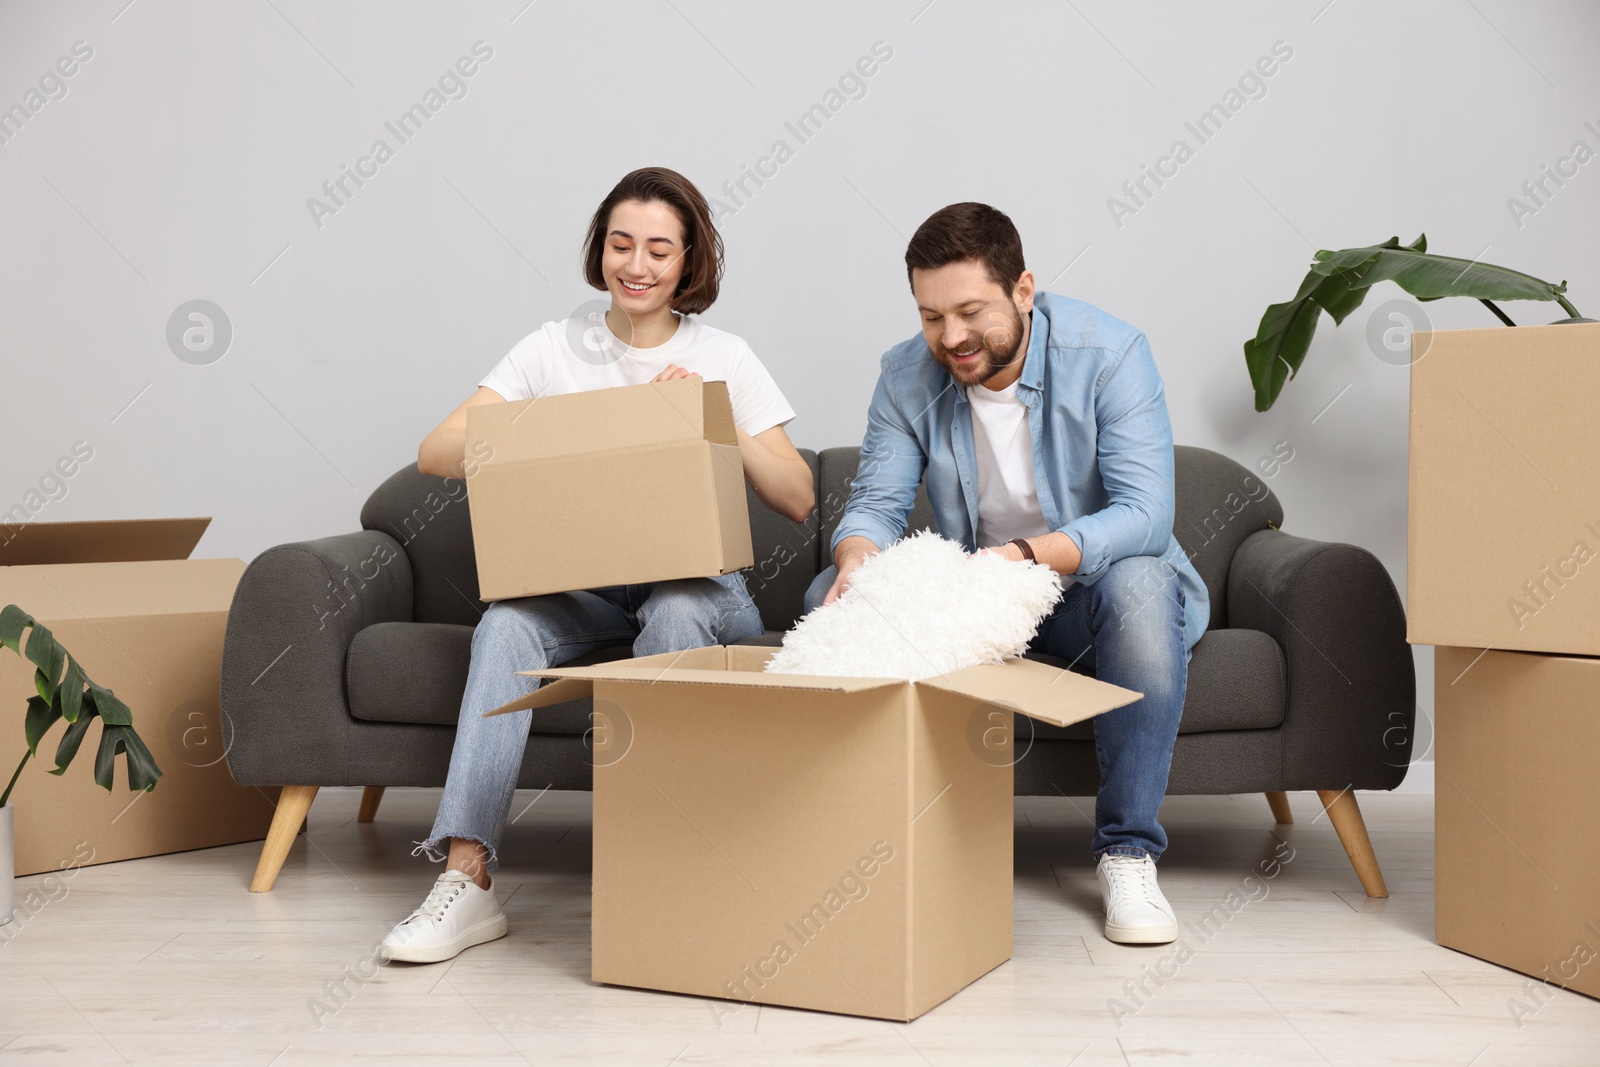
966 231
702 269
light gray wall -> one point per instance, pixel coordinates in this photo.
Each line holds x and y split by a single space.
179 162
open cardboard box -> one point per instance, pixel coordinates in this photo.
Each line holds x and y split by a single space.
842 844
642 483
147 623
1503 538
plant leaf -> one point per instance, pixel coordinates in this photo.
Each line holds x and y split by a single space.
1339 281
143 774
70 742
1429 277
1285 335
142 770
13 620
1344 287
71 691
111 707
41 715
61 684
43 652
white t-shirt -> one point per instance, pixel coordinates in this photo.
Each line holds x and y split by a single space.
576 355
1008 498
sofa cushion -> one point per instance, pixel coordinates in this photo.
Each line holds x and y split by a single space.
415 672
1237 681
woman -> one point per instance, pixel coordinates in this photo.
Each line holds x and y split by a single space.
653 247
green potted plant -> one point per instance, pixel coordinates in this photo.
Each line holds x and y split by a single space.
1338 282
66 693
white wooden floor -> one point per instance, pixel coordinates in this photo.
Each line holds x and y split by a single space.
171 960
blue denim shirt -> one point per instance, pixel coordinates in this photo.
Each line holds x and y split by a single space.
1102 447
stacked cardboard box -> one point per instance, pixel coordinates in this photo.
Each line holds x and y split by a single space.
1503 575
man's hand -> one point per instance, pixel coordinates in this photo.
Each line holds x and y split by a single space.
1055 550
673 373
852 553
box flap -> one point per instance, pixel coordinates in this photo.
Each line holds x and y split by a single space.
138 588
103 541
546 695
712 665
749 657
602 420
1049 694
718 414
631 671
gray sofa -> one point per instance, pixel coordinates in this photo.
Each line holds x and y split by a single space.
346 656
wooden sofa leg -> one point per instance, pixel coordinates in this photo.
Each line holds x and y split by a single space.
1279 803
1340 805
293 803
371 797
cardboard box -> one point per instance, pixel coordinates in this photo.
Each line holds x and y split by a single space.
1503 547
1517 832
841 844
150 630
612 487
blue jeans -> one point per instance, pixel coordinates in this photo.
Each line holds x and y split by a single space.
547 631
1128 627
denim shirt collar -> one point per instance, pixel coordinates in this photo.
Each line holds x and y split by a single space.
1032 379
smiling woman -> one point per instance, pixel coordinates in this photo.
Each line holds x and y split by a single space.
653 248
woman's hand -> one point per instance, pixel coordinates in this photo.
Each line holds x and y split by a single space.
673 373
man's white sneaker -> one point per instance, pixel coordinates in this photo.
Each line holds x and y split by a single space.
1136 911
456 915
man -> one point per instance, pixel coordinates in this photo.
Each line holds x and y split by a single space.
1042 426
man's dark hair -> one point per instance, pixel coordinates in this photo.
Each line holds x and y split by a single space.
702 257
966 231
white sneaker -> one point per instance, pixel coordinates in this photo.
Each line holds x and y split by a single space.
456 915
1136 911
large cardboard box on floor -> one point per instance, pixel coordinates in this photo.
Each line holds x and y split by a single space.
147 623
642 483
1517 832
841 844
1503 544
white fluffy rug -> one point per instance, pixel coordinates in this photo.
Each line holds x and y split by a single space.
920 608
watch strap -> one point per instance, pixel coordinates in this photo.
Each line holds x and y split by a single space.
1025 548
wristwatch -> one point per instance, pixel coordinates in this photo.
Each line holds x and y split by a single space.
1025 548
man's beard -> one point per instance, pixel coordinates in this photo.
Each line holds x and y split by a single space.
992 361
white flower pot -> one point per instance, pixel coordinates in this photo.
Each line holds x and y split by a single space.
7 864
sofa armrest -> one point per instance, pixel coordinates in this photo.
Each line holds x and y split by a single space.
1351 697
285 712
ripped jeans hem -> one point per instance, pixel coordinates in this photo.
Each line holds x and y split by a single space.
432 848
